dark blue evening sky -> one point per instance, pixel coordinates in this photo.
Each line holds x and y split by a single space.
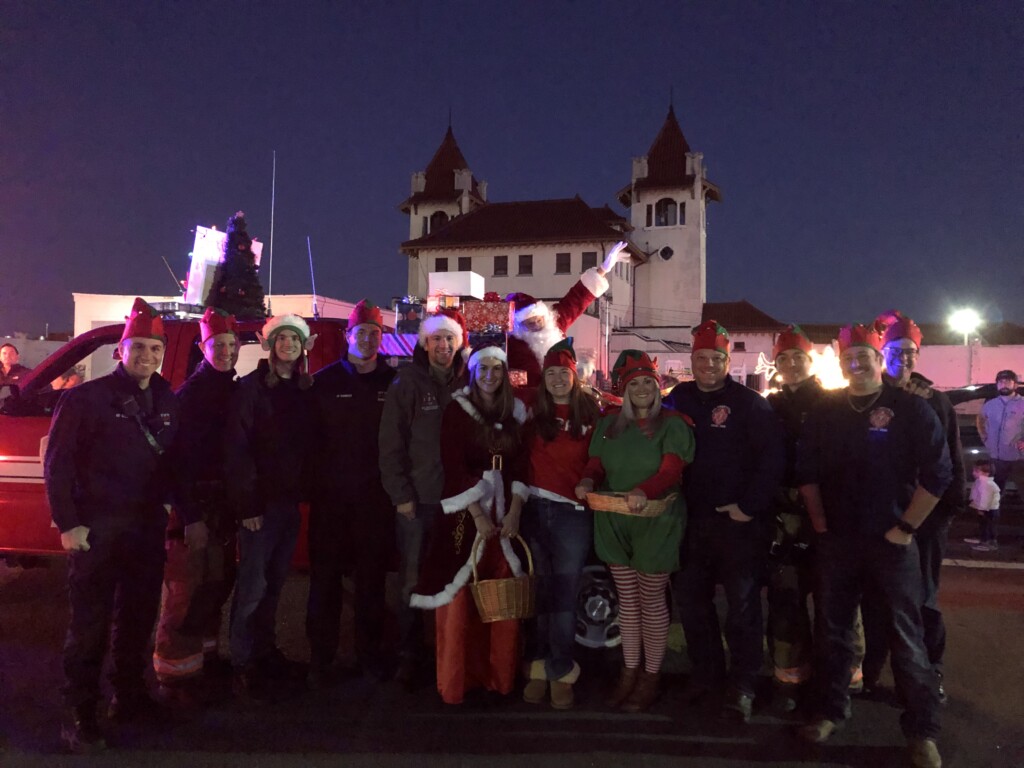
870 154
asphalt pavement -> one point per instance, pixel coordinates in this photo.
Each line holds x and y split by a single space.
364 723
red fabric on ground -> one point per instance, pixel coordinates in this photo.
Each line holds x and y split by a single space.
471 654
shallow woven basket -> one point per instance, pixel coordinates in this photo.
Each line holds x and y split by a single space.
504 599
616 502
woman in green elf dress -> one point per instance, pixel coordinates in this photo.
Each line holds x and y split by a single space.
639 450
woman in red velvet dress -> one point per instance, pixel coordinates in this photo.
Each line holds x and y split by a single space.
485 466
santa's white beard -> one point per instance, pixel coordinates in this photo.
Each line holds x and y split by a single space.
540 341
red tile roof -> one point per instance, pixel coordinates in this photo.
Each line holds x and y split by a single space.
440 175
528 222
739 316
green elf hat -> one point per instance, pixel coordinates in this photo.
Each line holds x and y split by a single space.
561 355
859 335
791 337
710 335
630 364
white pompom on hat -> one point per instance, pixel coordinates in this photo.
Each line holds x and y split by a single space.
278 323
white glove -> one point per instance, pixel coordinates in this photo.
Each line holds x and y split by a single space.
616 254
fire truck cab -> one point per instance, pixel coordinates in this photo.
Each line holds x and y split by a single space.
25 411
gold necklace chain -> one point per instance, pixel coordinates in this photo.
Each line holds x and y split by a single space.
862 408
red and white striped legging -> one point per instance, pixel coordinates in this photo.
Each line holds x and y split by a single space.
643 616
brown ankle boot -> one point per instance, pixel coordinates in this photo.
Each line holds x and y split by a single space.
627 679
644 692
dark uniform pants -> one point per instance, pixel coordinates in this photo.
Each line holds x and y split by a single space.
718 550
114 592
849 567
931 545
197 583
347 539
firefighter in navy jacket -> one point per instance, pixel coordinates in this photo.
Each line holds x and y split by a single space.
736 471
200 571
872 464
107 479
351 525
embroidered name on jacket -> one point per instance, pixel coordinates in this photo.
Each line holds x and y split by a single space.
719 416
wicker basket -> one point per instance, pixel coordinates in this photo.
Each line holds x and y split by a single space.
616 502
504 599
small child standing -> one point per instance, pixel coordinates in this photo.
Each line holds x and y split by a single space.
985 502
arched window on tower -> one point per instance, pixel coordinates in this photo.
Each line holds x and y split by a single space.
437 220
665 212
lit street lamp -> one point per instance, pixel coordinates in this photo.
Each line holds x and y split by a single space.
965 321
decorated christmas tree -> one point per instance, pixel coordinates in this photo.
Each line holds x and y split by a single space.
236 287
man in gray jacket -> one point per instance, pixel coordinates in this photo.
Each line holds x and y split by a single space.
410 461
1001 426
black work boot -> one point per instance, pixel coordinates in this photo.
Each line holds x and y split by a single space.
81 733
130 705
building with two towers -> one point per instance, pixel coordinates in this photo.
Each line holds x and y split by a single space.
541 247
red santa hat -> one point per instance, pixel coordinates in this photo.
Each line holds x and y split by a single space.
791 337
448 319
859 335
144 322
488 350
216 321
710 335
561 355
894 326
366 312
525 306
630 364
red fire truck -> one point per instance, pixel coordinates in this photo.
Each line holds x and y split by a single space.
25 524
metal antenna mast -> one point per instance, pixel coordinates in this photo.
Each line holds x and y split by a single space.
270 279
312 278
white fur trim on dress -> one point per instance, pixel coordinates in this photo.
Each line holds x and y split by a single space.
461 396
480 354
495 502
522 490
438 322
482 490
594 282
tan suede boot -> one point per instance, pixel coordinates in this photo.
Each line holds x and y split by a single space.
627 679
536 689
562 696
644 692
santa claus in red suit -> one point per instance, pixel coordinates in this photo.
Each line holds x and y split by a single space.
538 326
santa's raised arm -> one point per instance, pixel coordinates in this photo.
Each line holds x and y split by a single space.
539 326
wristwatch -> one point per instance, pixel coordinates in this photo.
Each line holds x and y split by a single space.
906 527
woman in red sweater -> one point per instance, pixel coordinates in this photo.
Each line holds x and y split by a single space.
559 530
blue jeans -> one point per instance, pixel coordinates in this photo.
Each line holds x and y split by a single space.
891 574
411 537
561 537
264 559
717 550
